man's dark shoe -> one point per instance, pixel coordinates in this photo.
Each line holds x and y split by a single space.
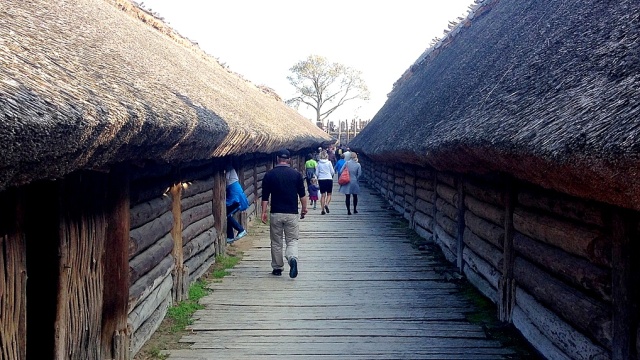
326 208
293 271
276 272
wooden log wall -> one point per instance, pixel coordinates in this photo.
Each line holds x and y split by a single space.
151 258
558 267
166 224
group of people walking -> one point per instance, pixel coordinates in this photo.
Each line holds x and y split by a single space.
283 189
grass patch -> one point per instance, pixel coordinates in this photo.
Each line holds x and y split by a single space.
180 315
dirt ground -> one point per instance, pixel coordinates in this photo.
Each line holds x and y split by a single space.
164 338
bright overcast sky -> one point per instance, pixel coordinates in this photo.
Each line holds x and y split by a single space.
262 40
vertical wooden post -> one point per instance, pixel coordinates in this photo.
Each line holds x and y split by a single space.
180 288
506 284
219 209
115 335
13 278
460 223
624 253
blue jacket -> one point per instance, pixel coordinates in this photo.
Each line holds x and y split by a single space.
236 194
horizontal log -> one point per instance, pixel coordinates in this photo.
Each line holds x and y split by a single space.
447 178
448 225
247 171
148 234
485 210
249 181
425 233
261 169
399 190
195 174
259 177
409 190
146 211
195 200
449 194
426 195
484 229
485 193
249 189
423 220
200 263
148 189
196 213
574 238
148 259
535 337
197 228
562 205
140 337
399 199
586 314
198 244
424 173
424 207
409 179
484 249
197 186
145 285
447 209
251 198
481 284
447 243
425 184
572 269
481 267
146 307
566 338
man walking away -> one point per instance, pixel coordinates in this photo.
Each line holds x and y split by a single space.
284 185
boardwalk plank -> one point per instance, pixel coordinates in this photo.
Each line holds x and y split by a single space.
363 292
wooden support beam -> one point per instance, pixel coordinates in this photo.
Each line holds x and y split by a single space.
180 290
219 208
115 334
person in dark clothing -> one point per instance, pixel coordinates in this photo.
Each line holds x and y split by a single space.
283 185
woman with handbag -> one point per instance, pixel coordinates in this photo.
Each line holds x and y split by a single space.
352 187
325 173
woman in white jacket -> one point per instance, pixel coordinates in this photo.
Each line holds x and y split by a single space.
324 173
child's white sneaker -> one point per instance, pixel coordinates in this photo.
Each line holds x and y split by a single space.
241 234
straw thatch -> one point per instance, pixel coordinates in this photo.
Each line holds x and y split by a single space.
547 91
88 83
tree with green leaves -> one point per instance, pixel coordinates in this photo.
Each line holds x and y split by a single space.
325 86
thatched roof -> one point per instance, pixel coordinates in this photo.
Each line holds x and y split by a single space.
547 91
89 83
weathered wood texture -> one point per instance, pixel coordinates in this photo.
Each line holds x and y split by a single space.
554 247
82 243
13 279
115 333
363 292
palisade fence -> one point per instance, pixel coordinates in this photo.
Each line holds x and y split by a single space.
553 264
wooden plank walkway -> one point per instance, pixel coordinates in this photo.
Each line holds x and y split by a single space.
363 292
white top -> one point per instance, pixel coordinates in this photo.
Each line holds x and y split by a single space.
325 170
232 176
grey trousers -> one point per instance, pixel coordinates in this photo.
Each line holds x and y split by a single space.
283 226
